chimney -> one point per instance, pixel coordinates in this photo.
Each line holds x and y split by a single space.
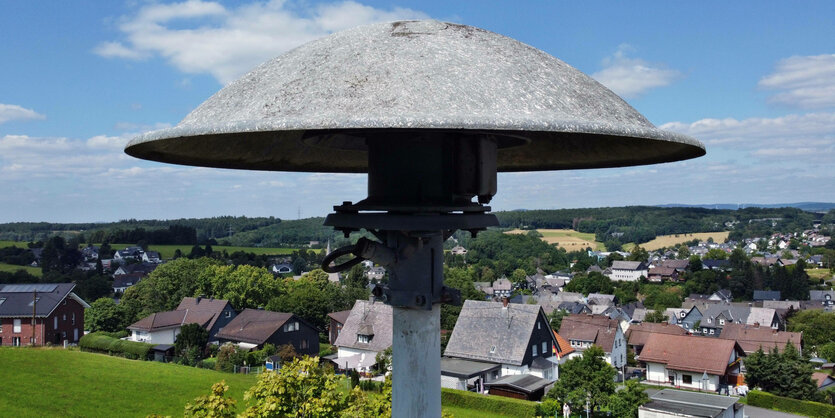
505 301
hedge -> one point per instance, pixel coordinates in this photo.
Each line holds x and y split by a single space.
794 406
486 403
103 343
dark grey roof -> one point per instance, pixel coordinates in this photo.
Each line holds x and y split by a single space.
466 369
715 264
487 331
690 403
366 316
821 294
628 265
16 299
524 382
255 326
766 295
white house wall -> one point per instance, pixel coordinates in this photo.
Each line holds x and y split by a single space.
657 372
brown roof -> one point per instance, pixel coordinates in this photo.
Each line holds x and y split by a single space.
161 320
751 338
676 264
212 305
565 347
254 326
340 316
662 271
690 353
637 334
820 378
599 329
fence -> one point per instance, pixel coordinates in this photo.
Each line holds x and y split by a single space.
248 369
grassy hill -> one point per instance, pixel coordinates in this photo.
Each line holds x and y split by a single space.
57 382
11 268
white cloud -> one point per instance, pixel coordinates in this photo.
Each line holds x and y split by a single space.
631 77
10 112
808 81
205 37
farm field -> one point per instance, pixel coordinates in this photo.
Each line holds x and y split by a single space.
568 239
78 384
662 241
11 268
57 382
819 273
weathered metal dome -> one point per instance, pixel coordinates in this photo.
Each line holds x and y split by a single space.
312 108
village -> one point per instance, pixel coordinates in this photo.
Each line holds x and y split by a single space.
511 342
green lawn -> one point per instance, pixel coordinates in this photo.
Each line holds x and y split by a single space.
18 244
11 268
57 382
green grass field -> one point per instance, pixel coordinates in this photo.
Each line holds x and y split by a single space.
57 382
11 268
43 382
18 244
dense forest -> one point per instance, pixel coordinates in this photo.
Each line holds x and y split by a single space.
613 226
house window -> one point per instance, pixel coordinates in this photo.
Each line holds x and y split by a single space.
73 318
228 314
492 349
54 322
687 379
291 326
303 344
361 338
544 348
16 326
65 317
683 314
538 325
16 341
721 322
709 320
711 331
533 350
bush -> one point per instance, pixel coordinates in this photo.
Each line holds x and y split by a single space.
371 386
100 342
795 406
490 404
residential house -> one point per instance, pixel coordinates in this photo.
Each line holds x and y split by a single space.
151 257
253 328
671 403
575 308
142 269
722 265
825 298
583 331
90 253
123 281
751 338
164 327
337 321
628 271
762 295
638 334
716 316
722 295
685 318
58 314
709 364
516 337
458 250
365 333
129 253
679 265
824 381
281 268
375 274
222 311
502 288
660 274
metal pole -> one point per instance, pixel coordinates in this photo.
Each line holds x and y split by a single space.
416 362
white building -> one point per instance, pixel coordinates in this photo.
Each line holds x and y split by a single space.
691 362
628 271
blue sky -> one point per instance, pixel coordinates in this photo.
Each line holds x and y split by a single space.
753 80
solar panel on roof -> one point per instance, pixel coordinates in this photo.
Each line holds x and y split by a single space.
28 288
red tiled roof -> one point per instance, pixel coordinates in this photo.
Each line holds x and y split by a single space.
637 334
340 316
690 353
599 329
751 338
565 347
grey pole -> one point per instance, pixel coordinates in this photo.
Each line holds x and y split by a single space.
416 363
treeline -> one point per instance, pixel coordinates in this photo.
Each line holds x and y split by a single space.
174 234
621 225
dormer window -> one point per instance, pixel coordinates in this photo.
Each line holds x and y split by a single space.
363 338
721 322
492 349
683 314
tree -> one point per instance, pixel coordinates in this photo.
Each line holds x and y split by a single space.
243 286
817 326
783 374
585 378
555 319
716 254
301 388
683 252
594 282
190 343
625 402
104 315
656 317
361 405
518 276
638 254
213 405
